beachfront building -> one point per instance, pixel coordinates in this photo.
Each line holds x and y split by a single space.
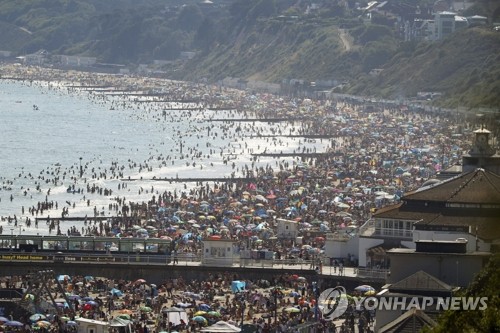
464 207
383 231
219 252
447 260
440 202
457 231
341 244
287 229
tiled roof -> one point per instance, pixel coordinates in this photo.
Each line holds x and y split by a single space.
478 186
420 281
471 199
413 320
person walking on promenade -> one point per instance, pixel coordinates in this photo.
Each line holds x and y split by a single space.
176 259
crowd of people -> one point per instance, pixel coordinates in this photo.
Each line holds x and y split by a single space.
373 153
281 305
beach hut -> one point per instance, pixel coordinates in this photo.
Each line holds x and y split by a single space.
175 315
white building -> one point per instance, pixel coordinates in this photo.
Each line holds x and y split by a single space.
287 229
219 252
444 24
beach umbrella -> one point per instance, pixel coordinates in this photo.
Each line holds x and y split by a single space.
63 277
71 323
364 288
221 326
292 310
199 319
86 307
214 313
183 305
124 316
13 323
172 309
91 303
145 309
37 317
200 313
140 281
126 311
42 323
204 307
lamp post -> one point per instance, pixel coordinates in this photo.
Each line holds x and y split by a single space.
81 170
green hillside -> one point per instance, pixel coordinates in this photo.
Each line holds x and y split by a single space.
267 40
464 67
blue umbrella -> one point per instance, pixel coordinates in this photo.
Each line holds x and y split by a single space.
183 305
204 307
116 292
199 319
14 323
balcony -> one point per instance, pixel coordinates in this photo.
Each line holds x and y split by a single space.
373 229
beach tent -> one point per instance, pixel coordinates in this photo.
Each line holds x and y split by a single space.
221 327
175 315
237 286
122 325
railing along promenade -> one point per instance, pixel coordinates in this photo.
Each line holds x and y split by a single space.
192 260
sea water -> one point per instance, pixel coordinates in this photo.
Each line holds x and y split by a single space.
52 131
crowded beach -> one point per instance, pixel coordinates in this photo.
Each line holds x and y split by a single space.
372 153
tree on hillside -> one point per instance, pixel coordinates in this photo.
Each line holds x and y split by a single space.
485 284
